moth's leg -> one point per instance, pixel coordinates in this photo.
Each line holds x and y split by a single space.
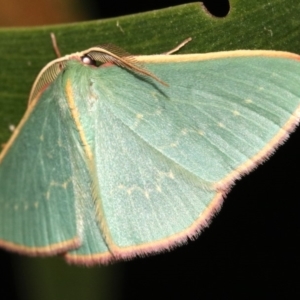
182 44
54 44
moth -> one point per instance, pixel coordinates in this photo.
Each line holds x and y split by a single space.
120 156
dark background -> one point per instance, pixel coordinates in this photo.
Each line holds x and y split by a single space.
114 8
251 248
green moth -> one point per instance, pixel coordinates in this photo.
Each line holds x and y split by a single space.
135 156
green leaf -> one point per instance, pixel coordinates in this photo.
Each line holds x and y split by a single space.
253 24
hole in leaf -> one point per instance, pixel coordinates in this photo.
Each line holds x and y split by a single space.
217 8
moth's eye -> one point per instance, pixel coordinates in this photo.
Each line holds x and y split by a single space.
88 61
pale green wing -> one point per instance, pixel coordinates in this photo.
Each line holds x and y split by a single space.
38 184
216 116
165 156
126 170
